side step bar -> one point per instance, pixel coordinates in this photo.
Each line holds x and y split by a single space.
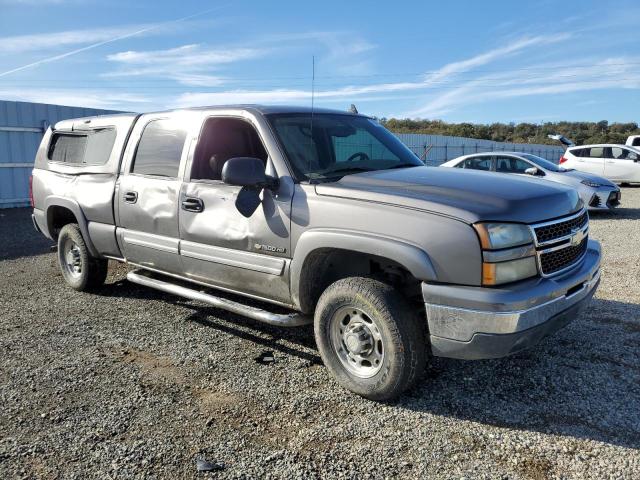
282 320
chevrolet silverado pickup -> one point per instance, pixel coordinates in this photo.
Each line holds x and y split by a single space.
292 216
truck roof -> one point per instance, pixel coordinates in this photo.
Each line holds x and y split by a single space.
259 109
265 109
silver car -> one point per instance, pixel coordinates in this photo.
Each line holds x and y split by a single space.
596 192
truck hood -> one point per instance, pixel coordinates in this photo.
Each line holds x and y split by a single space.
468 195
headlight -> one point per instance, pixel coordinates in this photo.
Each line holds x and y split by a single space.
592 184
503 235
511 271
508 252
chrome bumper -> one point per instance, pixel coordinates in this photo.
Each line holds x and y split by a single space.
475 322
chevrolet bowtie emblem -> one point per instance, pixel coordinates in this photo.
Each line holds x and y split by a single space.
577 235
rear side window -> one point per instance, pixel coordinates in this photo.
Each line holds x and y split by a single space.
67 148
578 152
86 148
160 149
596 152
476 163
636 142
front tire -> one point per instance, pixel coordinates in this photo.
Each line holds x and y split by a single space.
370 338
80 270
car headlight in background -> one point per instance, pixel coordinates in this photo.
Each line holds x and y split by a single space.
591 183
508 253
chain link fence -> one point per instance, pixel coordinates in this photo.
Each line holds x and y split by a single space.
437 149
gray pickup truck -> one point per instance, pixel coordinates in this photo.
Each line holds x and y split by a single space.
326 214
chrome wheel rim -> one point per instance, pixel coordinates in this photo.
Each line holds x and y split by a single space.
357 341
71 258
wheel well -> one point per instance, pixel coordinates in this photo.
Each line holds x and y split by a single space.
324 266
58 217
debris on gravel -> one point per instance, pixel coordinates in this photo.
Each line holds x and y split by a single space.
207 466
129 382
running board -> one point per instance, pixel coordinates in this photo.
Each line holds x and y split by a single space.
282 320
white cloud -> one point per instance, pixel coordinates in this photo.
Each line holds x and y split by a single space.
49 41
40 2
188 64
90 98
106 40
194 56
584 75
500 53
440 76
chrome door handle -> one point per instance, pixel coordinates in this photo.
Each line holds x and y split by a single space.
131 197
191 204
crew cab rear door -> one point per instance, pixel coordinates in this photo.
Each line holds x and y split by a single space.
148 190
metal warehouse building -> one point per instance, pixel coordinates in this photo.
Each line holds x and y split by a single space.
21 127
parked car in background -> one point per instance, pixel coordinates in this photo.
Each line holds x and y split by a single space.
618 163
596 192
633 141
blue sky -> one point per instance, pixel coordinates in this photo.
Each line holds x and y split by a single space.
461 61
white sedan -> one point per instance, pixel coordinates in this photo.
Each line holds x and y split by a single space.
618 163
597 193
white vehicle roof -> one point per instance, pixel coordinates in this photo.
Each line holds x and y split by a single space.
602 145
456 160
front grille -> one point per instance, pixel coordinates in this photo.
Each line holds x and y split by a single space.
595 201
557 260
547 233
556 246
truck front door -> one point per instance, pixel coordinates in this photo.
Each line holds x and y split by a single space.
147 194
218 245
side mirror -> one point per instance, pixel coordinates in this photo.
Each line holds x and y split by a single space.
244 172
248 173
534 171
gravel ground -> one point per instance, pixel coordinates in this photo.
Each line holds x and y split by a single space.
131 383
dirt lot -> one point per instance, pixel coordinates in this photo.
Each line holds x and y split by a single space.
131 383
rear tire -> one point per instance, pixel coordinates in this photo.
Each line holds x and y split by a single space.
80 270
370 337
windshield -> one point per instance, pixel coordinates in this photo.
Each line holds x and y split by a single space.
336 145
541 162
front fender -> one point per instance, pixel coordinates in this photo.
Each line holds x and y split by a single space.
411 257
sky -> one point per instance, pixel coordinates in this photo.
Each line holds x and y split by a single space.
459 61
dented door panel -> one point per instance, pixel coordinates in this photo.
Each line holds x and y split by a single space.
221 247
148 231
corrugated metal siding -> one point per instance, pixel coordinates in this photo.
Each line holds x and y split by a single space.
437 149
21 127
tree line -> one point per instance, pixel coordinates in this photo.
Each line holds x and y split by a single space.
581 133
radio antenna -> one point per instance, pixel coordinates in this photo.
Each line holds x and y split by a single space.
313 92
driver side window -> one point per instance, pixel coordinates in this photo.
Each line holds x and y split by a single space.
221 139
511 165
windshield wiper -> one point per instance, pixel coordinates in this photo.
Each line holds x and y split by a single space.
345 171
403 165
